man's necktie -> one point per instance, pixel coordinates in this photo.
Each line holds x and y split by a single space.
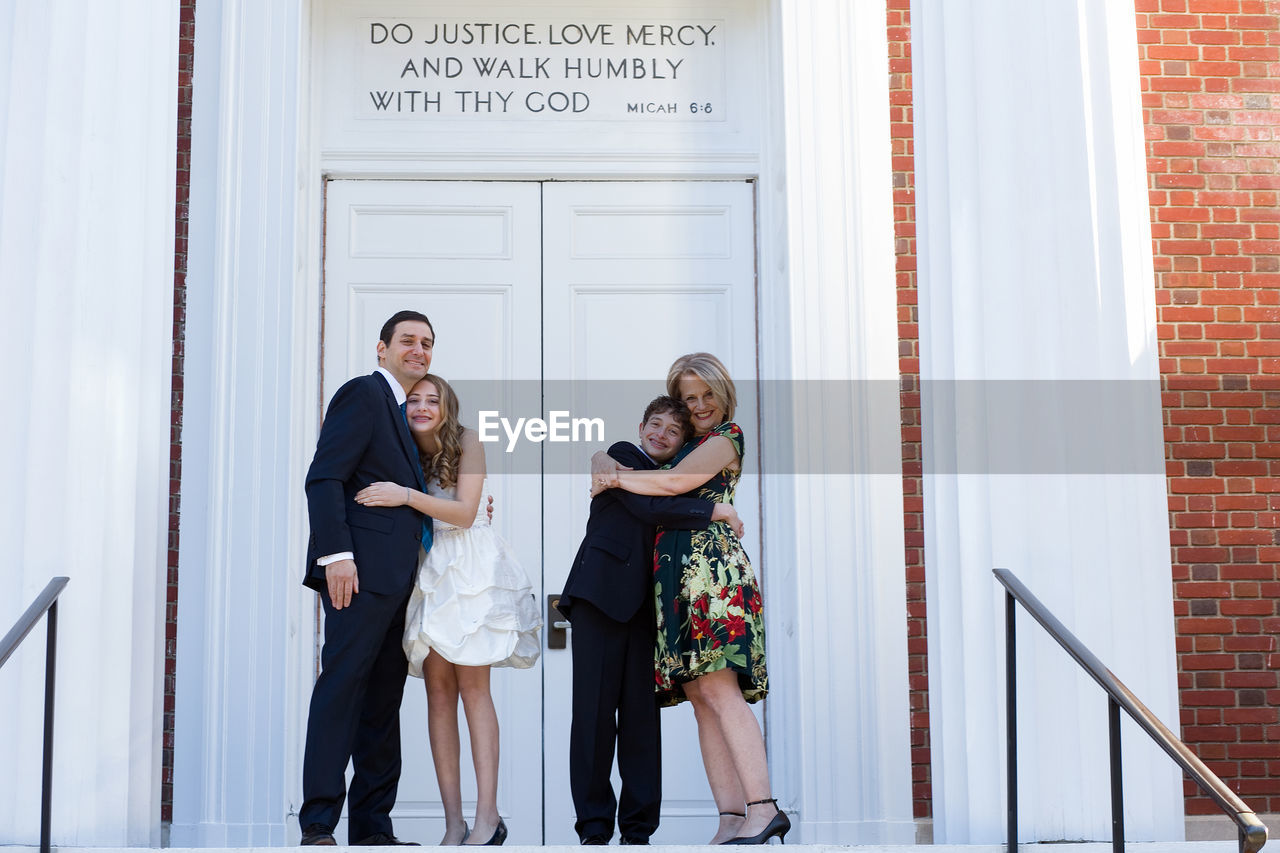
427 531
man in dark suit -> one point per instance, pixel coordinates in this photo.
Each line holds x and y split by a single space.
362 562
608 599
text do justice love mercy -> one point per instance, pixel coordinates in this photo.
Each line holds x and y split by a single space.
649 35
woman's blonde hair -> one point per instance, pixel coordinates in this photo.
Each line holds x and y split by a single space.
710 370
443 464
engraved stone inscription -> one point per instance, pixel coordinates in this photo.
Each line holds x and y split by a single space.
423 69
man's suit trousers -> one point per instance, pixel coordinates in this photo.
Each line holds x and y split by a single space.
355 711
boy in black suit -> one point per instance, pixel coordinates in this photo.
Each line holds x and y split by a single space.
608 598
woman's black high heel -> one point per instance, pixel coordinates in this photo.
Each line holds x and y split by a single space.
779 826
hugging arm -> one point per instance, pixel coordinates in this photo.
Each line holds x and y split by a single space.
708 459
672 512
460 511
344 436
677 513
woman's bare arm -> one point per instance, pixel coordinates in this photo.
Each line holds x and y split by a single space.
707 459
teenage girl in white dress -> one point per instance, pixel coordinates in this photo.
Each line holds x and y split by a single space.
471 608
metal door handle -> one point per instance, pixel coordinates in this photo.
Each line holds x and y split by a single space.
557 637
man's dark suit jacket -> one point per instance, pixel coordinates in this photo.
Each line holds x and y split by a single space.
614 566
363 440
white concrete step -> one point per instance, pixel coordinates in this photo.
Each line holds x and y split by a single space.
1057 847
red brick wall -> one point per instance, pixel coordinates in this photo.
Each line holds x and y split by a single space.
186 55
904 219
1211 96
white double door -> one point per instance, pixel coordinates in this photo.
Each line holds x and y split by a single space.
546 296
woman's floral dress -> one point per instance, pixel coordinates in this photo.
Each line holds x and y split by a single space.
710 615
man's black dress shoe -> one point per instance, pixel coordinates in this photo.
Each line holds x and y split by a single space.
318 835
592 840
634 839
384 839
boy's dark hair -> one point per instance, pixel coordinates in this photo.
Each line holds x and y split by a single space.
389 327
678 410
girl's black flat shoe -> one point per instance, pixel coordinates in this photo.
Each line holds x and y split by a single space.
779 826
499 835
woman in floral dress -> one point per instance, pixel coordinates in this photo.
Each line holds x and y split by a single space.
710 647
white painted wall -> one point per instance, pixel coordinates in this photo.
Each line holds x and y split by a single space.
244 621
1035 264
834 567
88 118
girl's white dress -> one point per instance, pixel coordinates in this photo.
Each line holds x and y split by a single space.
472 602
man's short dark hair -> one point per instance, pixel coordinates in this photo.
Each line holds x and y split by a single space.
677 409
389 327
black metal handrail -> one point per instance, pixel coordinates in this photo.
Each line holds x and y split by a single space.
1253 833
46 602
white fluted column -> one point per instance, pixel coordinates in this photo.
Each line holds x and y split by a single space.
1035 266
242 615
838 712
88 122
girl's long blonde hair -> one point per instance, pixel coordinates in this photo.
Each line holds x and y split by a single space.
443 464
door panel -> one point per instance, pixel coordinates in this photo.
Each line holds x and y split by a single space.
637 274
467 255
